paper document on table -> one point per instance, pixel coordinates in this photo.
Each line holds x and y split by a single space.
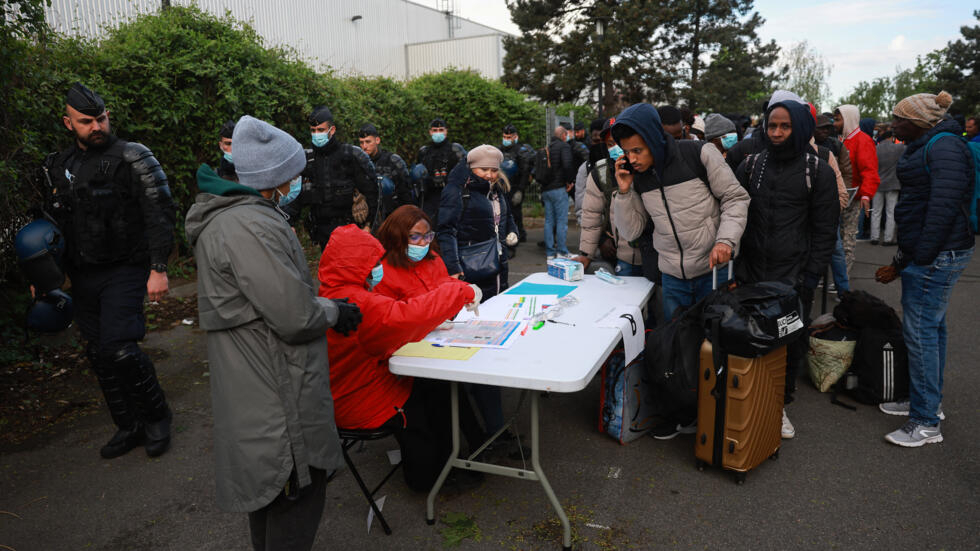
629 321
478 333
540 289
510 308
425 349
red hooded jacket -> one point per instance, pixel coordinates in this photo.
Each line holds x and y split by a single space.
422 277
365 393
863 152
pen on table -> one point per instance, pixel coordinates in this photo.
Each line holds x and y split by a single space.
562 322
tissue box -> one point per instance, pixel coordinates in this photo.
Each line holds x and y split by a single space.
569 270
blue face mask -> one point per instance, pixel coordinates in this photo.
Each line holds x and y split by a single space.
615 152
294 188
377 273
728 140
227 156
439 137
507 143
568 137
320 139
417 252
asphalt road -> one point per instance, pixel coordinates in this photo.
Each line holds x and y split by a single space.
837 485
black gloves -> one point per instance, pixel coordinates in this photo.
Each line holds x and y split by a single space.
348 316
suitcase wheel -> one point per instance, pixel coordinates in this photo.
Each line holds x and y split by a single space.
775 455
699 464
739 478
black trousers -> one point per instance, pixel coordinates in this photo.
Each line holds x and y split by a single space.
109 305
290 522
796 351
430 205
518 213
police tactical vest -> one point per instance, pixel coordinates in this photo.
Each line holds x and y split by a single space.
330 184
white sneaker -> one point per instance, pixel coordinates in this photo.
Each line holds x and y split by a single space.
788 430
550 257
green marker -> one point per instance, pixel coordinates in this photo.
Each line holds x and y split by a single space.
538 325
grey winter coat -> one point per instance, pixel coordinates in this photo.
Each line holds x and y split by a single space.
267 349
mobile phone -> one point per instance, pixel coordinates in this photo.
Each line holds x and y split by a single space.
627 166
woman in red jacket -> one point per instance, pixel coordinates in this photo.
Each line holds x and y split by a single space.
366 394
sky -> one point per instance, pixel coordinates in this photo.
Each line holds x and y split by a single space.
860 39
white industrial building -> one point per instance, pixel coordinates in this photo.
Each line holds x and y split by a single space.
391 38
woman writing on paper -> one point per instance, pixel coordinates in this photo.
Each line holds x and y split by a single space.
366 394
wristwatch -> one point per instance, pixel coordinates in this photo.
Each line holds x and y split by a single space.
162 268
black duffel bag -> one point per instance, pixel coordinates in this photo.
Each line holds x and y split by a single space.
754 318
672 356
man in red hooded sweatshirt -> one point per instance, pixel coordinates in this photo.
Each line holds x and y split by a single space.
864 174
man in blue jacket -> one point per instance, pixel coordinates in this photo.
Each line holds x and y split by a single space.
935 244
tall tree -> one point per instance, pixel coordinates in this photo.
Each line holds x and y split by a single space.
713 41
960 76
805 72
873 99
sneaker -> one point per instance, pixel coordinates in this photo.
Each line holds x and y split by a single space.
788 430
550 257
874 241
902 408
913 435
670 429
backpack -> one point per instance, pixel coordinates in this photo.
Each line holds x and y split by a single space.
542 166
626 401
975 196
673 362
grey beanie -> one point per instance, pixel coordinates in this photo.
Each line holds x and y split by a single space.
265 157
716 126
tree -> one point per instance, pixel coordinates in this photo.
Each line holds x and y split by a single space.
960 76
805 73
873 99
722 61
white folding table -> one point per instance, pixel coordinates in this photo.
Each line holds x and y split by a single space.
555 358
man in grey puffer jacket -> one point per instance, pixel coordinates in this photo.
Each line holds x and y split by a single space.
274 433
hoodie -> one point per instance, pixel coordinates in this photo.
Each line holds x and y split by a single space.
267 354
366 393
690 193
862 151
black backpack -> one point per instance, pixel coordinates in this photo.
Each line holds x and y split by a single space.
672 356
542 166
879 371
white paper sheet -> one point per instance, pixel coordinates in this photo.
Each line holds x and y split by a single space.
632 331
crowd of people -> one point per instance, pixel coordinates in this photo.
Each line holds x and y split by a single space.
662 193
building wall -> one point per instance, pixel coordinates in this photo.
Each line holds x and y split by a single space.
483 54
322 31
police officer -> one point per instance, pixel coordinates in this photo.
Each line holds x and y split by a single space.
522 155
335 173
111 199
391 170
580 151
439 157
226 168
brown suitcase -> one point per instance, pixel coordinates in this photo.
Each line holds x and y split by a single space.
740 419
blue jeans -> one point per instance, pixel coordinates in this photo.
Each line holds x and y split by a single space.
624 268
555 220
838 265
925 295
685 292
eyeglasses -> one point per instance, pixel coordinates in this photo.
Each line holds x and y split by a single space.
421 237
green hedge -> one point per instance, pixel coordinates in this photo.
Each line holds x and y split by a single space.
171 79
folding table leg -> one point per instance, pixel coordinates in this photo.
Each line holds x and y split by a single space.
430 502
566 538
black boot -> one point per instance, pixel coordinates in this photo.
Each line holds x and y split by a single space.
130 433
146 394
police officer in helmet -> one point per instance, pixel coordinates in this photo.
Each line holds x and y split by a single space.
340 186
113 204
439 158
522 155
391 169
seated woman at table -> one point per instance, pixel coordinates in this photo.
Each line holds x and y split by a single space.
366 394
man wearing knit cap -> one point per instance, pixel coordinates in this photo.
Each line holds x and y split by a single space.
720 130
274 434
935 243
439 157
339 185
112 202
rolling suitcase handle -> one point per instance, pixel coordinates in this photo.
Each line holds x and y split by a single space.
714 274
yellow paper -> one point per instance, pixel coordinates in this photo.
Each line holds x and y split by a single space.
425 349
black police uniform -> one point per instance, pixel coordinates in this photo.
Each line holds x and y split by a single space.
333 173
390 165
522 154
113 205
439 160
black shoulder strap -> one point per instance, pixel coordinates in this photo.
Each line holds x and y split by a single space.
466 199
690 152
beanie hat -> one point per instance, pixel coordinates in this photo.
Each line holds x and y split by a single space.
716 126
265 157
924 110
484 156
698 123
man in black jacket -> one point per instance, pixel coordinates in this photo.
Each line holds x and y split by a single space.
334 173
112 202
519 173
793 216
439 158
554 193
391 170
